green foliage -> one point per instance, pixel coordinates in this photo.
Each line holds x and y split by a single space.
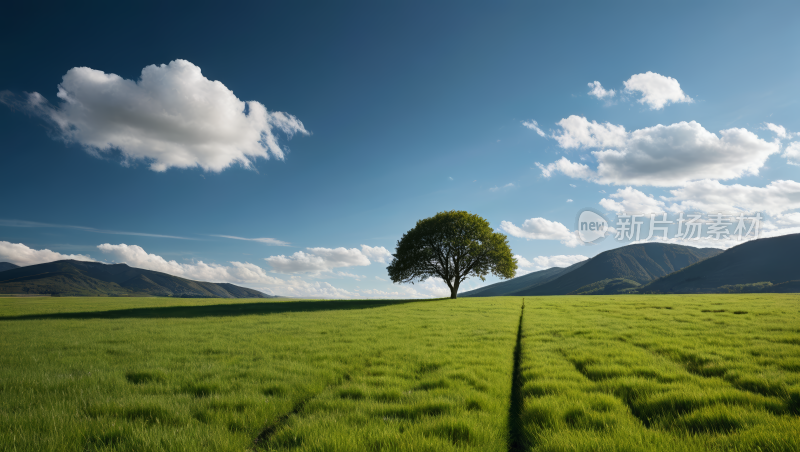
453 246
763 286
607 287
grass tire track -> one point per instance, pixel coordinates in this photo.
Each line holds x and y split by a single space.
692 369
516 428
273 427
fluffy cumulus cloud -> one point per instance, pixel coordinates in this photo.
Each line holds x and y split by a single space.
376 253
136 256
563 165
711 196
22 255
661 155
578 132
545 262
656 90
629 200
541 229
778 203
792 153
242 273
533 125
779 131
173 116
319 260
599 92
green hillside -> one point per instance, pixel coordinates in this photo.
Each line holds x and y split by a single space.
772 260
640 263
76 278
515 284
607 287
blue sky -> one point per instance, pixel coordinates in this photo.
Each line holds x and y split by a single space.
396 111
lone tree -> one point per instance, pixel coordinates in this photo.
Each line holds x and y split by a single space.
453 246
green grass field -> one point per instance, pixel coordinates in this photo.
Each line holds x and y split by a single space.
577 373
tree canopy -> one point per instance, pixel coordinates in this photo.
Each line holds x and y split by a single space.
453 246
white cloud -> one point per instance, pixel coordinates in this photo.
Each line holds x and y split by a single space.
792 153
380 279
789 219
779 131
377 293
22 255
173 116
599 92
533 125
569 200
541 229
661 155
774 231
317 260
376 253
253 276
264 240
713 197
431 287
504 187
767 230
545 262
572 185
630 200
320 260
571 169
242 273
136 256
578 132
657 90
351 275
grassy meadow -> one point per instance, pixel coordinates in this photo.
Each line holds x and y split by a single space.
571 373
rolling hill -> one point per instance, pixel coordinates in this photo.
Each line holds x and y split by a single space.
612 271
640 263
528 281
772 260
7 266
77 278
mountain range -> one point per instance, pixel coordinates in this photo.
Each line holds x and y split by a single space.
78 278
764 265
7 266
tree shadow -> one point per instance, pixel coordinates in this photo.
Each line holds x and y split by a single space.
219 310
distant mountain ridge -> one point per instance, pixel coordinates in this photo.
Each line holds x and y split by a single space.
640 263
773 261
521 282
7 266
78 278
622 268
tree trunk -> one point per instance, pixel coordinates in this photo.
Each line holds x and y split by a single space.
454 291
